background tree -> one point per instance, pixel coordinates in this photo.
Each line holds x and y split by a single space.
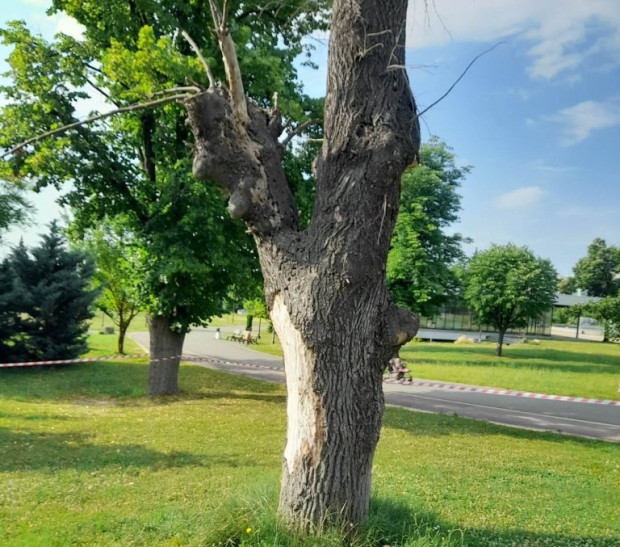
118 266
507 286
10 315
420 273
564 316
606 311
567 285
138 165
52 297
257 309
599 271
324 285
14 208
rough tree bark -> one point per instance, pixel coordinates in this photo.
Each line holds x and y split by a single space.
325 286
120 342
165 350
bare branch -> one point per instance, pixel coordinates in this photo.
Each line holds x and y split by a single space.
91 119
231 64
216 14
460 77
201 57
97 88
180 89
224 22
299 129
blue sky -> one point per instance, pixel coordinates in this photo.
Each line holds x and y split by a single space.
538 118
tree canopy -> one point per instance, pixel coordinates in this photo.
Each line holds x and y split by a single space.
119 260
419 268
507 285
606 311
14 208
138 165
599 271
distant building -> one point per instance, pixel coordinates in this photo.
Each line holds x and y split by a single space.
456 316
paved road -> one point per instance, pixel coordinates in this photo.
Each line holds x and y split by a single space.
584 420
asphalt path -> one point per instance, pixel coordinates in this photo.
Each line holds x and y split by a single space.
593 421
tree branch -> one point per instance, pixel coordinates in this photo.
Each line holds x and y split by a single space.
180 89
65 128
106 95
299 129
201 57
460 77
224 22
231 64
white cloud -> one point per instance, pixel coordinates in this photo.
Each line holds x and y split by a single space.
580 120
68 25
521 197
541 165
556 30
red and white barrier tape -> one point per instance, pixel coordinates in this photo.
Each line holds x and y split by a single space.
84 360
233 363
506 392
405 382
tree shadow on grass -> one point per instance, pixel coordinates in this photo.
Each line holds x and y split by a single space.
275 398
82 380
24 451
437 425
125 383
394 523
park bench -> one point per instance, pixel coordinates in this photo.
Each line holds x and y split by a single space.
248 339
244 337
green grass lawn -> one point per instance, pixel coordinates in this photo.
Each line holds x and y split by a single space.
583 369
87 459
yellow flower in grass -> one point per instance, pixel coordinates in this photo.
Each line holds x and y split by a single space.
248 530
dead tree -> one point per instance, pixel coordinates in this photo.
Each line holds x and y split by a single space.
325 285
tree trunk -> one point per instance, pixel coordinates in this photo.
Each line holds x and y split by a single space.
166 347
500 342
122 331
325 286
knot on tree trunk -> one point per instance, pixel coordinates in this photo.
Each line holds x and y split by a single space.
244 157
221 153
402 326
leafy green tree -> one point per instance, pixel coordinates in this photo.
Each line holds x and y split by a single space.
139 165
51 291
257 309
420 273
599 271
119 262
607 311
507 285
564 316
567 285
14 208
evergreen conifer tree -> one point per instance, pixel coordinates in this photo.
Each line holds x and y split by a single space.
51 291
9 314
